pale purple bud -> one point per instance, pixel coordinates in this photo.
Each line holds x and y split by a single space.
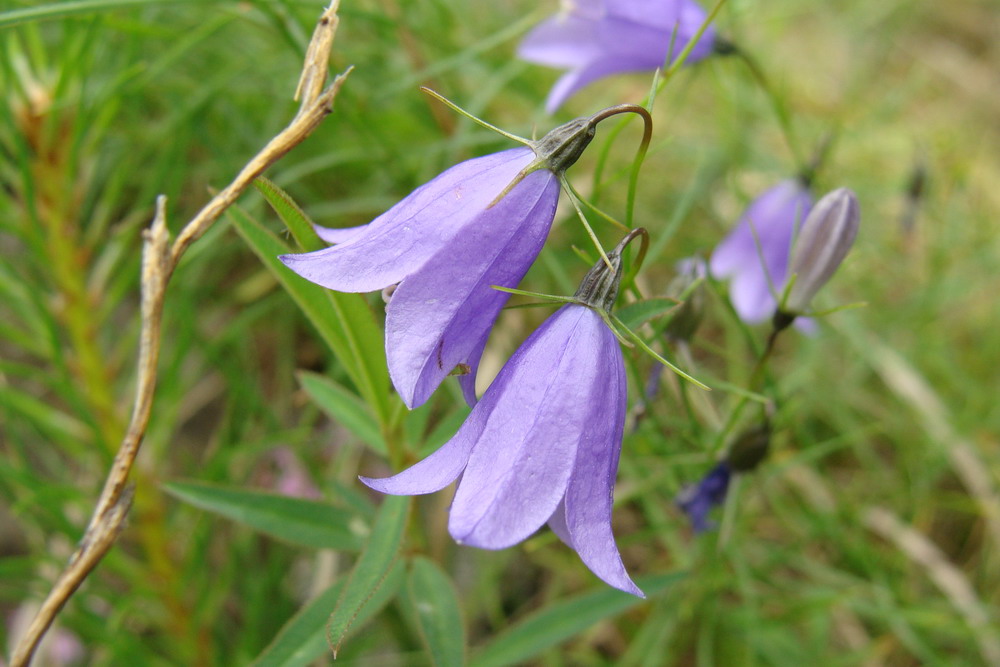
827 235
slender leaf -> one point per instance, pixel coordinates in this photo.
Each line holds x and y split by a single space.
557 623
432 596
345 408
303 638
295 520
344 321
302 228
371 570
58 10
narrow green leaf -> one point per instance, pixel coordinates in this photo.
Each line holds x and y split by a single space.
371 570
345 408
295 520
344 321
636 314
50 420
303 638
291 214
62 9
434 603
551 626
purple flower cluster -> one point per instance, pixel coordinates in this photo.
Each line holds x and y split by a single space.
542 445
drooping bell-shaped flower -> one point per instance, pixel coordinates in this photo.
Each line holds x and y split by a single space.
480 223
597 38
542 445
754 256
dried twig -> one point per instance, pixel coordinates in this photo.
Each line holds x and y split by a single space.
159 260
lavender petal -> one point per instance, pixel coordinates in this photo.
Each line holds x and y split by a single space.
438 315
402 239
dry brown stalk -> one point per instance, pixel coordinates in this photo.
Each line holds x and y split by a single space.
159 260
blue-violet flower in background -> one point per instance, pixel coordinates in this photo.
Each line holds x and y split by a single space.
542 445
596 38
698 500
746 453
480 223
754 257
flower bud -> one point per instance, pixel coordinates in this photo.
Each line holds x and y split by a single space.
689 313
747 452
827 234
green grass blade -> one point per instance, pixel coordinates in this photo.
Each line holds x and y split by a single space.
295 520
551 626
345 408
344 321
434 602
370 573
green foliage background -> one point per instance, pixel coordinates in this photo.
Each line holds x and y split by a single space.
870 537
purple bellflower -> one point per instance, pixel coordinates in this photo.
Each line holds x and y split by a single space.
542 445
478 224
755 254
698 500
749 450
598 38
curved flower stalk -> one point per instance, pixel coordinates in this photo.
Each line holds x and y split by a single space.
754 257
478 224
543 443
597 38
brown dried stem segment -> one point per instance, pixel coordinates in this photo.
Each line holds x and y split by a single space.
160 258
